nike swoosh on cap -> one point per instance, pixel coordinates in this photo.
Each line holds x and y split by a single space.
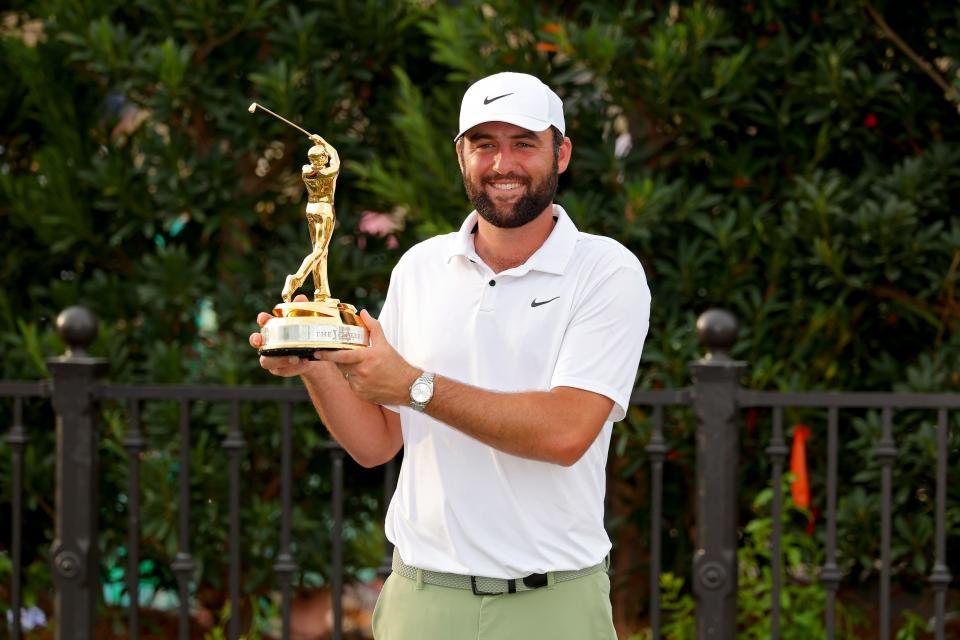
489 100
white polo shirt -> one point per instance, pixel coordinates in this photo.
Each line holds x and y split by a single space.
574 315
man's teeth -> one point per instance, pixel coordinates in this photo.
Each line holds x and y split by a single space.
505 186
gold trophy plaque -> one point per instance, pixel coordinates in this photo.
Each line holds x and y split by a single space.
301 328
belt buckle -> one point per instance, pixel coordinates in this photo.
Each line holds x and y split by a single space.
535 580
477 592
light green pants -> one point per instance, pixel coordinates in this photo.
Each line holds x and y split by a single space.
572 610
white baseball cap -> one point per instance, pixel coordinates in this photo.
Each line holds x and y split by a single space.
516 98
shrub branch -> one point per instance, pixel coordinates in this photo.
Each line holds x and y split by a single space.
949 92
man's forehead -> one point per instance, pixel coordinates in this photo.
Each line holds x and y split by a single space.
496 129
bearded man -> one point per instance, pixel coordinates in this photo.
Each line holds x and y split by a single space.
502 356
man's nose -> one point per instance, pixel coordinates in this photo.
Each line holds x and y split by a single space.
504 161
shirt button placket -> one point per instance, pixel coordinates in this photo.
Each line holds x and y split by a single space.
489 298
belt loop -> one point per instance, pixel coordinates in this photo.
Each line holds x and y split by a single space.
551 578
419 579
606 563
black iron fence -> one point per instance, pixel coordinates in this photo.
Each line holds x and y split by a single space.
716 397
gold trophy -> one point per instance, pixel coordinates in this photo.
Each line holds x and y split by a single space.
301 328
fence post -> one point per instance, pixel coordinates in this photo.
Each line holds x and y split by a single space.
74 553
715 383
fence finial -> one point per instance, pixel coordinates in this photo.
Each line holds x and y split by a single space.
78 327
717 330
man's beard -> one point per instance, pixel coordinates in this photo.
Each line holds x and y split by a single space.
527 208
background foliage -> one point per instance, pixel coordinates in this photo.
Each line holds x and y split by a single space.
788 161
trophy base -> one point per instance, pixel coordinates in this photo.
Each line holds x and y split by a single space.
301 328
303 353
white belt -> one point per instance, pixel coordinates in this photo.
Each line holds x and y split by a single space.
489 586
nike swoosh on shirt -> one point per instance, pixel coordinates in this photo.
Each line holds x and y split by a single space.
489 100
537 304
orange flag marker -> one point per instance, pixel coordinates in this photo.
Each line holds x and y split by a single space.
800 486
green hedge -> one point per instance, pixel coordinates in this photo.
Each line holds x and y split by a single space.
788 161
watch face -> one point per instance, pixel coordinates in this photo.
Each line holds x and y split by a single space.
420 392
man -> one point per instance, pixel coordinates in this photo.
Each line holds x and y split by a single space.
502 355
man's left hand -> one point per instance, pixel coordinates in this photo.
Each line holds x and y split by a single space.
376 373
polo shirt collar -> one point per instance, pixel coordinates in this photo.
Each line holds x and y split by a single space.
552 256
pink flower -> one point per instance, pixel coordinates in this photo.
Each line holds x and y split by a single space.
377 223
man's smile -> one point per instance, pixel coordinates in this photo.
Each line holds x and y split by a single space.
505 186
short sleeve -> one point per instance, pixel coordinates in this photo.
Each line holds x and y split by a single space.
389 318
389 314
601 347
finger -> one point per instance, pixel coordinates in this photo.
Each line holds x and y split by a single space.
262 318
343 356
269 365
256 340
373 326
286 373
278 362
300 298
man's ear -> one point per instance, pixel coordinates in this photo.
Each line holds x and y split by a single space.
459 148
563 158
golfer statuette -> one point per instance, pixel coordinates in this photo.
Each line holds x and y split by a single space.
299 328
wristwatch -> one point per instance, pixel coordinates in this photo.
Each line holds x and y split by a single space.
421 391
